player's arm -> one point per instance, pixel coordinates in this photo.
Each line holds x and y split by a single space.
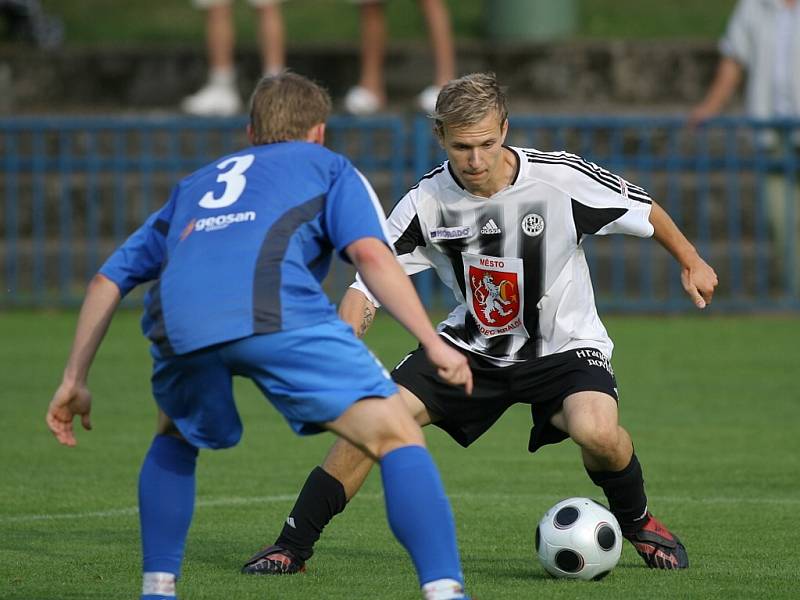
139 259
386 279
697 277
357 311
73 397
729 74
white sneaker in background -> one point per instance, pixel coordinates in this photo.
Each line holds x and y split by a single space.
213 100
360 101
427 98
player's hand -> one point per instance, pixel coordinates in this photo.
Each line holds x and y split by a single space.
699 115
68 401
452 365
699 281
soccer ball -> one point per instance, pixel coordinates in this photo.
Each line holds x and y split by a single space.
578 538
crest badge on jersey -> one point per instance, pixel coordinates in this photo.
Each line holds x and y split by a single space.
495 286
532 225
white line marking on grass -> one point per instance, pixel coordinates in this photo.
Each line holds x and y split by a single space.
468 496
124 512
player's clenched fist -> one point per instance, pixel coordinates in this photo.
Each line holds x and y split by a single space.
452 364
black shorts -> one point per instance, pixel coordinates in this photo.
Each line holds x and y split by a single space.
542 382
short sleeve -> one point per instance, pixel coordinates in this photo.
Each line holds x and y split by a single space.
353 211
601 201
405 234
142 256
737 42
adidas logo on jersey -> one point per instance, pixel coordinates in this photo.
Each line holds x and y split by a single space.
491 228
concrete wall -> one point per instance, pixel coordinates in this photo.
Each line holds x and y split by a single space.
559 77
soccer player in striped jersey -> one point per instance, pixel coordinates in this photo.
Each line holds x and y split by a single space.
237 256
503 228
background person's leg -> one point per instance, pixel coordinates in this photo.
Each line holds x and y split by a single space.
440 35
369 95
219 97
271 38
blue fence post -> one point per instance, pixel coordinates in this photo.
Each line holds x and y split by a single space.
421 159
673 204
11 166
397 159
120 193
38 218
704 193
733 210
66 246
92 216
761 262
790 223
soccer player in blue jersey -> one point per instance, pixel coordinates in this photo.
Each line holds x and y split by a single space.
237 256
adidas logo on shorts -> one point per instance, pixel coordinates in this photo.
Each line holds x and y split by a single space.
490 228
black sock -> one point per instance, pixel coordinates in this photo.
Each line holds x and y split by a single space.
321 499
625 493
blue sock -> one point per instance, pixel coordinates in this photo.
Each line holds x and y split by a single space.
166 503
419 513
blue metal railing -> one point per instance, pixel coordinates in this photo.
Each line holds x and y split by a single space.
717 183
75 187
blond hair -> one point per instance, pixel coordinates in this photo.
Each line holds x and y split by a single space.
467 100
285 107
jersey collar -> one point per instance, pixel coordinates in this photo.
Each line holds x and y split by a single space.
514 179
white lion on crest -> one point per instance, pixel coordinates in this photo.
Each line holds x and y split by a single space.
491 300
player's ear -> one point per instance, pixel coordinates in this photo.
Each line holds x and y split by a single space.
438 132
250 134
316 135
504 130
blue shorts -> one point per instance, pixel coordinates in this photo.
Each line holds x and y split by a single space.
311 375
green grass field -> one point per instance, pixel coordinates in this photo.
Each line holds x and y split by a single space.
712 403
312 21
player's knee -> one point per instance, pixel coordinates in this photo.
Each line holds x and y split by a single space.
598 439
393 428
165 426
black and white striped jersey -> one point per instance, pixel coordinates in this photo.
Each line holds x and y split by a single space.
514 261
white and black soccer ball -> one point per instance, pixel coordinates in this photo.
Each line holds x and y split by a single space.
578 538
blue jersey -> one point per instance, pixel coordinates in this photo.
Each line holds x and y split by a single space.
243 244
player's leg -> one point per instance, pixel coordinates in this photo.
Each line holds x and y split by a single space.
327 489
271 35
325 494
167 477
417 507
591 419
166 505
349 392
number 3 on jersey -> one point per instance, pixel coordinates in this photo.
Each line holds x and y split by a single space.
233 179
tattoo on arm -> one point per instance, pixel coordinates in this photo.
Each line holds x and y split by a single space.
366 321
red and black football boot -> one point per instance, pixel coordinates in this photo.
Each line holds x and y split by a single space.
274 560
659 548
